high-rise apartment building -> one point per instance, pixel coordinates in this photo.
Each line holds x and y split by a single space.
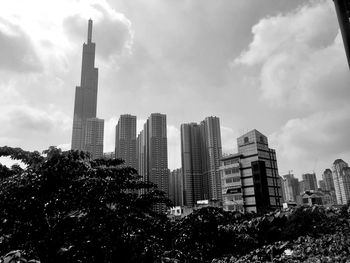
152 153
200 157
94 137
341 178
175 187
85 104
195 184
125 139
327 177
310 181
259 173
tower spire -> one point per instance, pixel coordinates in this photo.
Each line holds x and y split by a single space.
89 31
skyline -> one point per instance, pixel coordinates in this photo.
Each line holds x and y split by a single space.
277 67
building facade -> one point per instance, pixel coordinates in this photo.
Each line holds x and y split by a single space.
341 178
200 157
259 173
327 177
231 183
125 139
290 187
94 137
176 187
152 153
310 181
85 104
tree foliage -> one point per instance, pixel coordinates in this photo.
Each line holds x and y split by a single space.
65 207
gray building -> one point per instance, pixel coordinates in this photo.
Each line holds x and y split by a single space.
175 187
85 104
341 178
125 139
94 137
290 187
261 186
327 177
310 181
200 157
152 153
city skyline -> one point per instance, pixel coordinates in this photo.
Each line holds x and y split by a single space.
275 66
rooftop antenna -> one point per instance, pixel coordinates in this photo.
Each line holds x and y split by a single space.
89 31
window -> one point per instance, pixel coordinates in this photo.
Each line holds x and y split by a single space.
246 139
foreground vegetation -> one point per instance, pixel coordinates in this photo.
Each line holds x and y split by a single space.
65 207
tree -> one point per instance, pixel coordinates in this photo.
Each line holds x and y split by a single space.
66 207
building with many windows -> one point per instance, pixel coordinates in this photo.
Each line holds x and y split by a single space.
250 177
152 153
200 157
260 179
341 178
87 134
94 137
125 139
310 182
290 188
176 187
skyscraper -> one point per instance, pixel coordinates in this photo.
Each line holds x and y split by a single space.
175 187
310 181
259 173
328 179
85 104
195 184
341 178
200 157
290 187
152 153
94 137
125 139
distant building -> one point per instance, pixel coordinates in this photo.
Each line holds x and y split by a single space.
290 187
87 134
94 137
152 153
175 187
125 139
312 197
322 185
341 178
200 157
310 181
327 177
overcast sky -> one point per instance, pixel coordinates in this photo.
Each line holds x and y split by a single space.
277 66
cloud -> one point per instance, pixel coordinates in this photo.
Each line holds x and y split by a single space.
301 58
111 31
17 50
322 136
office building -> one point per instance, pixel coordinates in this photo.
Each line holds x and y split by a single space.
260 179
125 140
310 181
341 178
152 153
200 157
85 104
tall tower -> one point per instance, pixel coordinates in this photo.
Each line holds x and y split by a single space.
200 157
152 153
341 178
85 103
125 139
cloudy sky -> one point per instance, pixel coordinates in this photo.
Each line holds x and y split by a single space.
277 66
